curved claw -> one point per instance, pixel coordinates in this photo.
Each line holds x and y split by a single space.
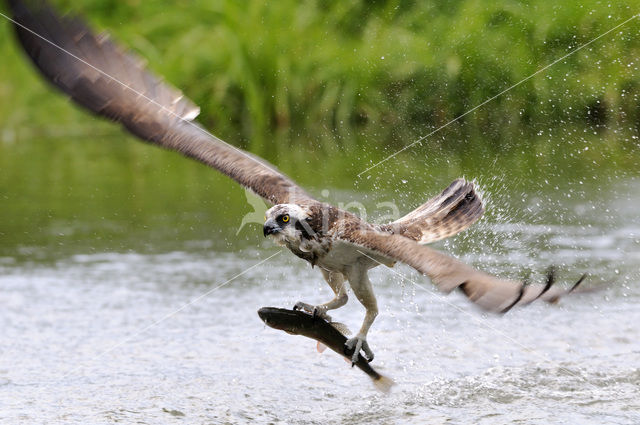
367 352
318 311
303 306
321 312
358 344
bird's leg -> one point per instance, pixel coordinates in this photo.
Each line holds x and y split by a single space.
303 306
364 292
337 284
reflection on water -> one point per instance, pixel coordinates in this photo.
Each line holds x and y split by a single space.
101 274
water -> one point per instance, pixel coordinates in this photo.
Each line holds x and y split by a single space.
132 309
102 338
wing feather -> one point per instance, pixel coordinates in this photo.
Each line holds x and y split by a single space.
447 273
111 82
450 212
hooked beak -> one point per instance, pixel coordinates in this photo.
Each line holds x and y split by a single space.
270 227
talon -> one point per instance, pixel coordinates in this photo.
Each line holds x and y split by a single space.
303 306
321 312
367 351
356 351
358 344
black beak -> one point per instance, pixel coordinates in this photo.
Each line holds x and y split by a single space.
270 228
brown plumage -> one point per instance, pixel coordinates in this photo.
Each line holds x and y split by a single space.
447 214
487 291
104 78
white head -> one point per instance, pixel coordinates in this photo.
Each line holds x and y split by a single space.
285 222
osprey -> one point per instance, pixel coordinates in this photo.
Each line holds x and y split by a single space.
106 79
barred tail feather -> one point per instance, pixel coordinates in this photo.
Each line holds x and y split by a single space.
445 215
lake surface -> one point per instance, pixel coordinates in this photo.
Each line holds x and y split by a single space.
128 295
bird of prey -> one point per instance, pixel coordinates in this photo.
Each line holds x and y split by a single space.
112 82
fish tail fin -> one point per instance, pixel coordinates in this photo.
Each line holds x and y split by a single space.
384 384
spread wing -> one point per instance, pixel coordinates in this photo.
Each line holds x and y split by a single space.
452 211
111 82
447 273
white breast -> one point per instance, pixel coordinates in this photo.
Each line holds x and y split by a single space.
342 255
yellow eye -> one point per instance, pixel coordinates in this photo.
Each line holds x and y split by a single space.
265 218
285 218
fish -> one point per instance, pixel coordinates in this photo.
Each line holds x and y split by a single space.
298 322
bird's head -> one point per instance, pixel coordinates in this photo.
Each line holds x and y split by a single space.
285 222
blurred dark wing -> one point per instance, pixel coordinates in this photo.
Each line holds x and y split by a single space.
489 292
101 76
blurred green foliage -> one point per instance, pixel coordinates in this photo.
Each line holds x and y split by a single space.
346 73
302 81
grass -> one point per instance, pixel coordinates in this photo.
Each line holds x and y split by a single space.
272 75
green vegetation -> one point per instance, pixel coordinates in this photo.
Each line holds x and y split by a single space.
377 72
298 82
